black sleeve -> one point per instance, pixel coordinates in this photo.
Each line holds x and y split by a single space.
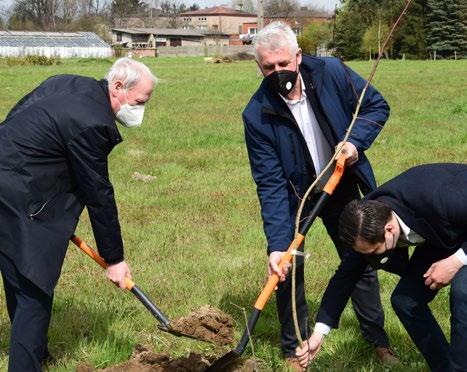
87 153
340 288
454 195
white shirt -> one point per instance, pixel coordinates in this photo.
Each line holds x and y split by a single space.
412 237
318 146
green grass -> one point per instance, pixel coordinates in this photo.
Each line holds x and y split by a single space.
194 236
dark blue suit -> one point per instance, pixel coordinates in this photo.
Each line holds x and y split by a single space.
432 201
282 169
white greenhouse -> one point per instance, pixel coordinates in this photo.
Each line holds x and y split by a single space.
53 44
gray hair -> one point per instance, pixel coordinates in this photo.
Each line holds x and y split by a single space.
130 72
274 36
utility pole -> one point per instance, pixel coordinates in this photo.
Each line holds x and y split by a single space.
259 26
260 16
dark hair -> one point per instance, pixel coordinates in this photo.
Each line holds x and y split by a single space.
363 220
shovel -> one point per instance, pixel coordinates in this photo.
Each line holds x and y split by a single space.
221 363
164 323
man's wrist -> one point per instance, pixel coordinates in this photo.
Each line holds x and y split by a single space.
322 328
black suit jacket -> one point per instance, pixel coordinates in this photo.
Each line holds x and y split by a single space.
432 200
53 161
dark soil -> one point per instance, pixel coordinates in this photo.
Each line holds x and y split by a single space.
143 360
207 324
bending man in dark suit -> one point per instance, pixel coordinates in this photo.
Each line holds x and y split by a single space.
53 161
425 206
292 124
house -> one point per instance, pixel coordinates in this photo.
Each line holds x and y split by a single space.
220 19
144 41
297 20
155 37
53 44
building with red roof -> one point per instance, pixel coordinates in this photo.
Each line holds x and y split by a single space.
220 19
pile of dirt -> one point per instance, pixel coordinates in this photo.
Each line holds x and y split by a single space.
243 56
207 324
143 360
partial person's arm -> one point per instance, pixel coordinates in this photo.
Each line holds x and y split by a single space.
441 273
374 110
333 302
453 202
273 195
87 153
340 287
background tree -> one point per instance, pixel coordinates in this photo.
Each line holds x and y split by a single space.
373 38
171 9
410 39
126 8
61 15
32 14
446 27
348 35
282 8
314 35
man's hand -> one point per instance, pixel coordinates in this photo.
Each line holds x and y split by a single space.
118 272
273 267
350 152
307 352
441 273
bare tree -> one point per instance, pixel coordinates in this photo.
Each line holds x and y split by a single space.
41 13
281 8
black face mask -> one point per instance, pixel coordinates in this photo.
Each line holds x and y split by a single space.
378 261
282 81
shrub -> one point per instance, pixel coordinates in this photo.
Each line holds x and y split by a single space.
33 60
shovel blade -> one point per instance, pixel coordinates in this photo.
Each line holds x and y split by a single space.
224 361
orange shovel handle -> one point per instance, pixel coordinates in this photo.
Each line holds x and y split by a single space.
81 244
274 278
336 175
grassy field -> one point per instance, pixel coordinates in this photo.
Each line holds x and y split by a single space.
193 236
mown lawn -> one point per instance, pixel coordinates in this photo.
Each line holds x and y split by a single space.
193 236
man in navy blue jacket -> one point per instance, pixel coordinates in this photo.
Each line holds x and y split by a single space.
54 146
292 124
425 206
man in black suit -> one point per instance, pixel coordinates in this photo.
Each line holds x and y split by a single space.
425 206
54 146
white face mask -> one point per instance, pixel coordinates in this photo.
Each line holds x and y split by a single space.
128 115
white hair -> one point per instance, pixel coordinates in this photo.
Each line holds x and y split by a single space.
130 72
276 35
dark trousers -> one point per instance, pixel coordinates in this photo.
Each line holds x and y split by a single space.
410 300
29 310
365 298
